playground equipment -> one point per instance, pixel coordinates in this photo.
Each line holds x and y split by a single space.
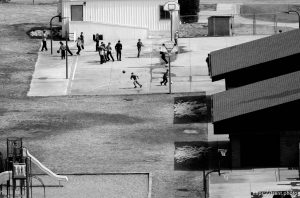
16 171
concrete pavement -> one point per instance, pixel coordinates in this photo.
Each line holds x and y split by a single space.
189 71
108 185
240 183
49 77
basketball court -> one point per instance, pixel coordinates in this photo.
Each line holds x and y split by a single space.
86 76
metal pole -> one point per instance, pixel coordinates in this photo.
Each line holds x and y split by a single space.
51 35
299 159
170 82
298 18
275 23
172 26
27 177
204 175
30 176
51 30
219 160
66 56
204 182
254 24
171 15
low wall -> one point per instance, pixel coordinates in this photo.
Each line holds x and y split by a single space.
109 32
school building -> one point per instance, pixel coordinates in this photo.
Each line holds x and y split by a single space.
117 19
262 99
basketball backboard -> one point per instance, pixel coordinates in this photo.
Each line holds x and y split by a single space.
171 6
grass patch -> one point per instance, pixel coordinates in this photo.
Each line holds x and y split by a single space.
18 53
85 133
247 29
190 156
199 30
191 109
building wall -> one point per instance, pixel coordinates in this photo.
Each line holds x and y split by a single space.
289 148
110 32
129 13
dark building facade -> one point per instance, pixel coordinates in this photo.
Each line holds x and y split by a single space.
258 110
256 60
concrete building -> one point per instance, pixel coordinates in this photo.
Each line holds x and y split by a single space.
116 19
258 110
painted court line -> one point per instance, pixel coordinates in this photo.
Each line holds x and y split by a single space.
73 70
73 76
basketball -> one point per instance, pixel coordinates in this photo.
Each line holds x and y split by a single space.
57 51
123 71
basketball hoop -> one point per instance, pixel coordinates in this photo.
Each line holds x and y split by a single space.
223 152
171 6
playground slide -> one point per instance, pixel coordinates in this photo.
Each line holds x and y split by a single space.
44 168
5 176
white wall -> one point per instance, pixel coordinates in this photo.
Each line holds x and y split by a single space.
110 32
133 13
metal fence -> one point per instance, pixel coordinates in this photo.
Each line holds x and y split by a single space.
246 24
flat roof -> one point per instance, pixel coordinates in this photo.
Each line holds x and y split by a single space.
256 96
254 52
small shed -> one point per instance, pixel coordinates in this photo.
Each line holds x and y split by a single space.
220 25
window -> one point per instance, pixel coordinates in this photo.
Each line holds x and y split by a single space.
76 13
163 14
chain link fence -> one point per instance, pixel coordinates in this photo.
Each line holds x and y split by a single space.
246 24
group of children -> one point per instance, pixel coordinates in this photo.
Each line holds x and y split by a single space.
65 48
105 53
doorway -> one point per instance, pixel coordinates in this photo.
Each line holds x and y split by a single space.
76 13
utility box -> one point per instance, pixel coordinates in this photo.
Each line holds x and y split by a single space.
220 25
